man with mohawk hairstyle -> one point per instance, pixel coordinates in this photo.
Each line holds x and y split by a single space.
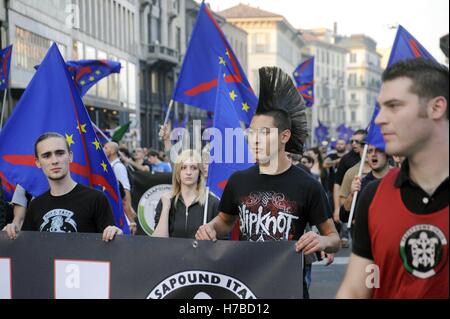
274 199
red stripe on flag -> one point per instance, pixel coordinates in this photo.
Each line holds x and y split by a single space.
415 48
8 186
305 65
100 180
26 160
201 88
222 184
84 70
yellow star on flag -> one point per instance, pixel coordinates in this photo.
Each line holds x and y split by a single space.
105 167
245 107
98 72
91 78
97 144
82 82
222 61
82 128
69 139
233 95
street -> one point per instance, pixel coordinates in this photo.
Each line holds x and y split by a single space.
327 279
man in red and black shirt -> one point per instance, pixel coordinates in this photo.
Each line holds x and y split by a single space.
400 248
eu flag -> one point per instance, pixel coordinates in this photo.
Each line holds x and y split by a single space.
51 103
344 132
5 63
227 156
321 132
304 77
374 135
87 73
208 50
405 47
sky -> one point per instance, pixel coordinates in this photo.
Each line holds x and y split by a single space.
426 20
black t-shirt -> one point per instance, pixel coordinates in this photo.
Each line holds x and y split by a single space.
184 222
332 171
274 207
412 196
348 161
83 210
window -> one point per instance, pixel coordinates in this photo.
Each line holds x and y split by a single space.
102 85
90 54
154 25
176 6
92 17
113 84
106 20
352 79
353 97
353 114
155 82
123 85
30 48
178 44
77 51
353 57
260 42
132 85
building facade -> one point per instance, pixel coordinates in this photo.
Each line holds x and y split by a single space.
363 78
272 40
83 29
163 42
329 77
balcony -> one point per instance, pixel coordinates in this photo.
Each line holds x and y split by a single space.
156 53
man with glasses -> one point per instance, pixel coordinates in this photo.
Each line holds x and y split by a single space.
274 189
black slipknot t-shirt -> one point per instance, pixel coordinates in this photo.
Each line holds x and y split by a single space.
274 207
82 210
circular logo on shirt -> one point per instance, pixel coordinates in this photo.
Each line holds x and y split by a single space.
58 221
200 285
147 205
424 250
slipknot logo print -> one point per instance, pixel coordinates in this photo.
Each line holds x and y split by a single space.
267 216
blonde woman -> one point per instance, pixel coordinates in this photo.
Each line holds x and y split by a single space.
181 212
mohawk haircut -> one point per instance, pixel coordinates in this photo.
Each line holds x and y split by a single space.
279 98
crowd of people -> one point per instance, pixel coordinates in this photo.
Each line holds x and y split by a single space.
304 195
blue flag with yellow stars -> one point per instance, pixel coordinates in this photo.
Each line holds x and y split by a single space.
208 50
86 73
227 154
51 103
321 132
5 63
344 132
304 77
405 47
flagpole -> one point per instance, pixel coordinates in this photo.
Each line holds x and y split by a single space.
205 212
355 195
168 112
3 109
101 132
